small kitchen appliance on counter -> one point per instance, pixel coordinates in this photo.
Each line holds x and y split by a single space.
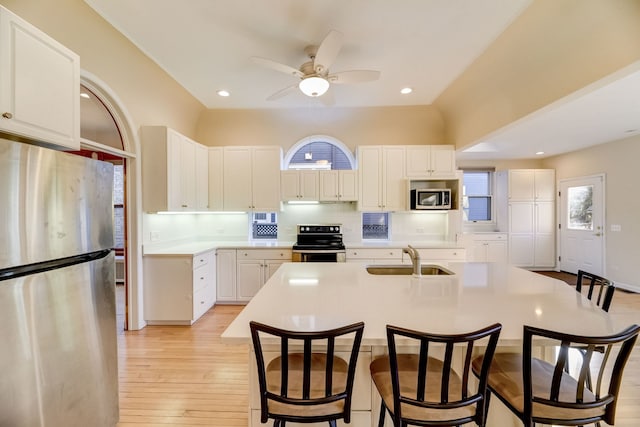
319 243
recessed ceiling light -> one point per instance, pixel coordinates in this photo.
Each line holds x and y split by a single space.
84 95
224 93
630 130
406 90
539 153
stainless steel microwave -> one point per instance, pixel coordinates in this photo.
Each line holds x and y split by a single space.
430 199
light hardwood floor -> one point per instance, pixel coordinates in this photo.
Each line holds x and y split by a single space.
185 376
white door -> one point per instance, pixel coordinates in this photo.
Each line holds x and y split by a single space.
582 225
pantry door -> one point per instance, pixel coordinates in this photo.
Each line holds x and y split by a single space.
582 224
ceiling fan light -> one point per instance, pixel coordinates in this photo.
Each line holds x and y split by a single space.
314 86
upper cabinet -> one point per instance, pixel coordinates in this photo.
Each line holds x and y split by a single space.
215 186
173 177
251 178
299 185
531 184
338 186
423 161
382 182
39 85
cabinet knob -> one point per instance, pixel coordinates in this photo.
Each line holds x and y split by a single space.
7 115
184 206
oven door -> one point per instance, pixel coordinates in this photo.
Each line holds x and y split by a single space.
318 255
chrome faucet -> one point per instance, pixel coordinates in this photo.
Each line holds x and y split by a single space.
415 259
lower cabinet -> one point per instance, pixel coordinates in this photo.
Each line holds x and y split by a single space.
489 247
375 256
242 272
178 289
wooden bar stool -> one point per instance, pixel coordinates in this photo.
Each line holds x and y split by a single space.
419 389
307 382
537 391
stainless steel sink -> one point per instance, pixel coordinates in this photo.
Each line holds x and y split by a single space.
404 270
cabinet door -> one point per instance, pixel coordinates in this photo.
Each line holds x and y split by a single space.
545 218
250 279
329 183
175 200
521 184
201 177
39 85
545 184
522 217
215 173
370 178
289 185
237 179
270 267
496 251
521 250
348 185
265 178
544 255
443 160
418 161
309 186
226 275
188 174
394 181
479 251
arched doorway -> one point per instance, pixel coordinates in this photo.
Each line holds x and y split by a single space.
107 134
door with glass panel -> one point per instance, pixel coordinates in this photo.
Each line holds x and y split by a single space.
582 225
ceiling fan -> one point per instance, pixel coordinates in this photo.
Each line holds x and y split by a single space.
314 75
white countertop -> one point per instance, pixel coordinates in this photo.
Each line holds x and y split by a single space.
198 247
315 296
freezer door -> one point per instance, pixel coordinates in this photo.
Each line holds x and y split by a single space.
52 204
59 356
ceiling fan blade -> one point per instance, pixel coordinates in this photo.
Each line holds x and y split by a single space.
327 51
283 92
354 76
277 66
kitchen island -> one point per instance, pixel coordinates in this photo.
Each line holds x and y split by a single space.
316 296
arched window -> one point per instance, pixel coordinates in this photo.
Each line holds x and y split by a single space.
319 152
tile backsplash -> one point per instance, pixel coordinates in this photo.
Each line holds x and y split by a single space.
405 226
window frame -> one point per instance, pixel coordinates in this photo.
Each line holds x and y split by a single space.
491 196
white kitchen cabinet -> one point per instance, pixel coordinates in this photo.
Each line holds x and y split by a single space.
299 185
39 85
178 289
339 185
215 174
528 214
255 267
251 178
201 177
489 247
375 255
531 184
381 178
170 171
428 255
226 275
430 161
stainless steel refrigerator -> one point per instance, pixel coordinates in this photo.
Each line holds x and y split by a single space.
58 350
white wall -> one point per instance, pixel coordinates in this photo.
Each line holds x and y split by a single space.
618 161
405 227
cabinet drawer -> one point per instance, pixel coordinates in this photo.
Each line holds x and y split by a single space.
200 305
201 277
279 254
427 255
369 253
200 260
490 236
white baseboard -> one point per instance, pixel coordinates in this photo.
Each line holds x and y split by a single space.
628 287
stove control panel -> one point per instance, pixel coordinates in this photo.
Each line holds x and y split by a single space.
318 229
